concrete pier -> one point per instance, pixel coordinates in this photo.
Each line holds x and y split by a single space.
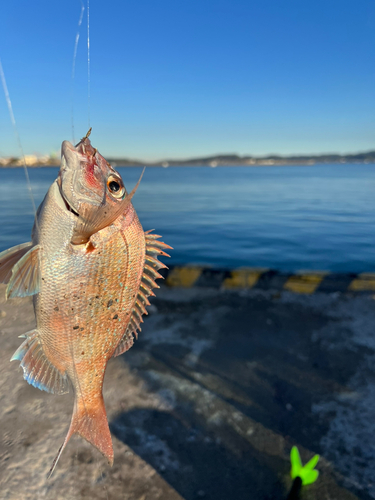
208 402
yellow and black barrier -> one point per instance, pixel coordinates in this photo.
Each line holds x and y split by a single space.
306 282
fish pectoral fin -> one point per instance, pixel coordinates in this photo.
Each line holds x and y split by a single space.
37 368
25 278
9 258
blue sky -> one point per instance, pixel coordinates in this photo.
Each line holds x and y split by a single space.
180 78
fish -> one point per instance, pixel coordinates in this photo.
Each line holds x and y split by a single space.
90 268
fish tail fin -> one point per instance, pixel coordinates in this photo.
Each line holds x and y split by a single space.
90 422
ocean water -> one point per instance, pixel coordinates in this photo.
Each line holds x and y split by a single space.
287 218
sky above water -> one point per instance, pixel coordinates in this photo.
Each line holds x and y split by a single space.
180 78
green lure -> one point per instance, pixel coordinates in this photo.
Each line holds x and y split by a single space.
307 473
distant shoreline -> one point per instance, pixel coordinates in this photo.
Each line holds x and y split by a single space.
140 165
211 161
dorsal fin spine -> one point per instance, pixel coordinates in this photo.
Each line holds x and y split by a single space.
135 325
150 249
158 244
152 272
138 315
148 279
148 235
143 297
141 307
155 262
147 289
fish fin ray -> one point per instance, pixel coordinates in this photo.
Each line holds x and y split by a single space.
8 258
38 370
25 278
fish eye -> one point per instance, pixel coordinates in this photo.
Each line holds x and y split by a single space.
115 186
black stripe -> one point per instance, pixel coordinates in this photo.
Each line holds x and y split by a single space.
272 279
212 278
335 282
269 280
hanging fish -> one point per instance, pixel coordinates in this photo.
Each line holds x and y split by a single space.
90 267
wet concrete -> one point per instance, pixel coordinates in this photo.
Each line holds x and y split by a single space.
208 402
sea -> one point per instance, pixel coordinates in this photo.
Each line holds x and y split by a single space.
288 218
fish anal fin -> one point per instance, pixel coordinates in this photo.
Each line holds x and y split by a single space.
90 422
25 278
9 258
38 370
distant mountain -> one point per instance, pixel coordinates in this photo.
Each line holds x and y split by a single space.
229 160
236 160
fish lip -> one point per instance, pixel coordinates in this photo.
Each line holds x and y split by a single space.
68 152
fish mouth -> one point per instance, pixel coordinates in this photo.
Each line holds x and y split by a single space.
69 208
64 200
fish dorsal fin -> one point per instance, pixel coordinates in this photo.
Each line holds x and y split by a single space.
149 275
125 343
25 278
37 368
9 258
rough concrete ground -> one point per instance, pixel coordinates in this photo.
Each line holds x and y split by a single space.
208 403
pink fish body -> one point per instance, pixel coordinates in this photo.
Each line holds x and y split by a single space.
90 267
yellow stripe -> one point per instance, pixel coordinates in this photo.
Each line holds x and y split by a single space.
304 283
243 278
364 282
183 276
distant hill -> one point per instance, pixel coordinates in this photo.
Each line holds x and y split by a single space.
236 160
229 160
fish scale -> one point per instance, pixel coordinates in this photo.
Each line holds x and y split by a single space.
91 268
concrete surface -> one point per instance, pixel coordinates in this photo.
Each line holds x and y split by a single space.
208 402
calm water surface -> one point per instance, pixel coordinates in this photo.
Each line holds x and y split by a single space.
287 218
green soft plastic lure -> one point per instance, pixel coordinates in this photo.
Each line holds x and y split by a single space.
307 473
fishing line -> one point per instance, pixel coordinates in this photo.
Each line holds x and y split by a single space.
70 340
79 392
13 120
88 66
18 139
88 62
74 66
